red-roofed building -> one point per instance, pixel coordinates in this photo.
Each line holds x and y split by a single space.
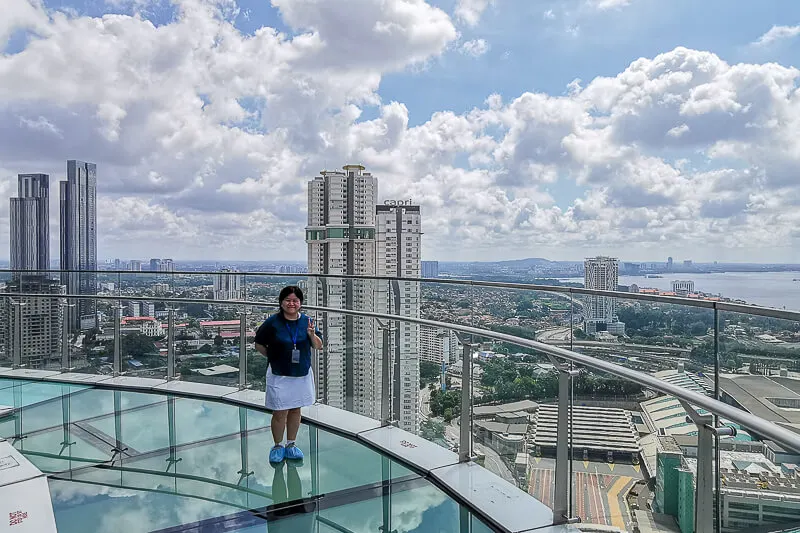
234 334
218 326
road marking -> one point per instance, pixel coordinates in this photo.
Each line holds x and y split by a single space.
611 466
537 459
613 502
586 464
637 468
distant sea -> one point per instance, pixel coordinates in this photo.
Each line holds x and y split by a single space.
770 289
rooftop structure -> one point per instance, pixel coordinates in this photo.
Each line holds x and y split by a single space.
599 431
776 399
489 411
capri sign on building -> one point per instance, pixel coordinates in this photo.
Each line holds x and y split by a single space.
397 202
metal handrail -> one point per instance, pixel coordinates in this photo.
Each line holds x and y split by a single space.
769 312
766 429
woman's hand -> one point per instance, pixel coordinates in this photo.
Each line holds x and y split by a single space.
316 342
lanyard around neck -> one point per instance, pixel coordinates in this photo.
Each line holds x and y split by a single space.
293 331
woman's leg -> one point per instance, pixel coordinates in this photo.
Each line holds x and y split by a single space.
292 423
278 425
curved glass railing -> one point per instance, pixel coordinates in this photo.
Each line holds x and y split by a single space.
686 417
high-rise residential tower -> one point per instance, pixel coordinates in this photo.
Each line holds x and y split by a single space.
228 285
430 269
601 273
33 324
438 345
398 242
341 240
78 201
30 224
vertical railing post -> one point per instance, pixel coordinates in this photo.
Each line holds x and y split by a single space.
65 359
245 472
707 433
117 364
718 500
66 419
386 413
243 349
465 421
173 458
17 344
171 343
562 472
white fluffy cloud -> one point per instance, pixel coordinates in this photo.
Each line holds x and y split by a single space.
469 11
475 47
608 4
204 134
777 33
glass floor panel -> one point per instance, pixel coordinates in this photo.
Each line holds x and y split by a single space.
122 461
20 393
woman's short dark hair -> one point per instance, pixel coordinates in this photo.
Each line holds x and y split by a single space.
288 291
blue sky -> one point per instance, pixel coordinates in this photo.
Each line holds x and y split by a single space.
560 168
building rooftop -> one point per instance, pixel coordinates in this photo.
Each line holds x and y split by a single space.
596 428
219 370
776 399
213 323
499 427
489 410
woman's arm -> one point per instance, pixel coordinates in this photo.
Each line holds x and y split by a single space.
316 342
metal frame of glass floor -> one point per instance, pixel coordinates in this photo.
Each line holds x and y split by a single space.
138 455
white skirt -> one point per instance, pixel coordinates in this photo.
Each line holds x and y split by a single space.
289 392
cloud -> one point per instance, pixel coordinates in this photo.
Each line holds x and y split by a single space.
204 134
392 33
475 47
608 4
19 15
40 124
777 33
469 11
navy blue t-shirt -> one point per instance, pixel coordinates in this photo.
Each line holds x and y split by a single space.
276 333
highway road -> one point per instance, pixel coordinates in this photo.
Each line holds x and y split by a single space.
553 335
452 435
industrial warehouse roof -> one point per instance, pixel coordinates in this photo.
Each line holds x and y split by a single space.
489 410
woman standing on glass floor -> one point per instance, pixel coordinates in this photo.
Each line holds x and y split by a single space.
286 339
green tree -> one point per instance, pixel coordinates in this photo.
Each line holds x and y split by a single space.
496 370
136 345
429 372
445 404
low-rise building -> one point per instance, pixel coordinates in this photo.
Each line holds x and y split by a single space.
215 327
147 325
754 491
598 433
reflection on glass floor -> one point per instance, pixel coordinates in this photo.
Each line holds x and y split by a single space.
133 462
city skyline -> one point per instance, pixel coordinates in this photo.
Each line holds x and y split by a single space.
660 137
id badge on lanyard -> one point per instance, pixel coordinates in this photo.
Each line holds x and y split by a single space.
293 336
